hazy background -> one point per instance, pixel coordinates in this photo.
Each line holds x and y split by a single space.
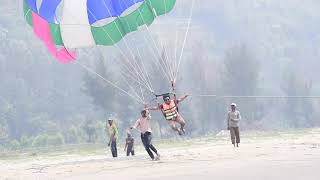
233 48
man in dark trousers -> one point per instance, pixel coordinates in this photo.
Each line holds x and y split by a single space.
144 126
113 136
233 119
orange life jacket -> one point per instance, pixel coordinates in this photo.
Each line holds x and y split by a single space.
170 110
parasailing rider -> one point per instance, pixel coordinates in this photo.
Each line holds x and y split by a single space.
170 111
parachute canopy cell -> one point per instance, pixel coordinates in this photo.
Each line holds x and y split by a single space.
75 27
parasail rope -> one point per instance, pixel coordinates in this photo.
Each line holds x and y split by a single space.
155 45
108 81
271 97
144 69
143 66
124 55
185 37
126 43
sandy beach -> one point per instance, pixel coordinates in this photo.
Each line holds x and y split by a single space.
280 155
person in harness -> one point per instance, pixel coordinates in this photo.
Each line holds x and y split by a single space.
170 111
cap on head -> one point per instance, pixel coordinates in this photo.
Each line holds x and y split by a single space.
110 119
233 104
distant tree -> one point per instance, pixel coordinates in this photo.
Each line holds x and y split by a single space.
100 92
101 131
298 112
112 101
26 142
241 78
14 144
90 129
40 141
71 135
200 79
241 73
55 139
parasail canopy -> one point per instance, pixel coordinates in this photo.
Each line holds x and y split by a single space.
76 28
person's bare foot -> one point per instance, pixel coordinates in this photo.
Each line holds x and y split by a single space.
183 130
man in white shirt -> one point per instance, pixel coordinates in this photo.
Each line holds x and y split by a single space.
144 126
233 119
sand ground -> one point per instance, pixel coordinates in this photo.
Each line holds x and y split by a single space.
281 155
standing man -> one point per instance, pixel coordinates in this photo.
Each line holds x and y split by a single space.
233 119
113 133
144 126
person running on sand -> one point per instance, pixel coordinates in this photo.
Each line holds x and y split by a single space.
143 124
129 147
233 119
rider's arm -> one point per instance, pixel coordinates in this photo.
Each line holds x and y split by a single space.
153 108
148 115
182 98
